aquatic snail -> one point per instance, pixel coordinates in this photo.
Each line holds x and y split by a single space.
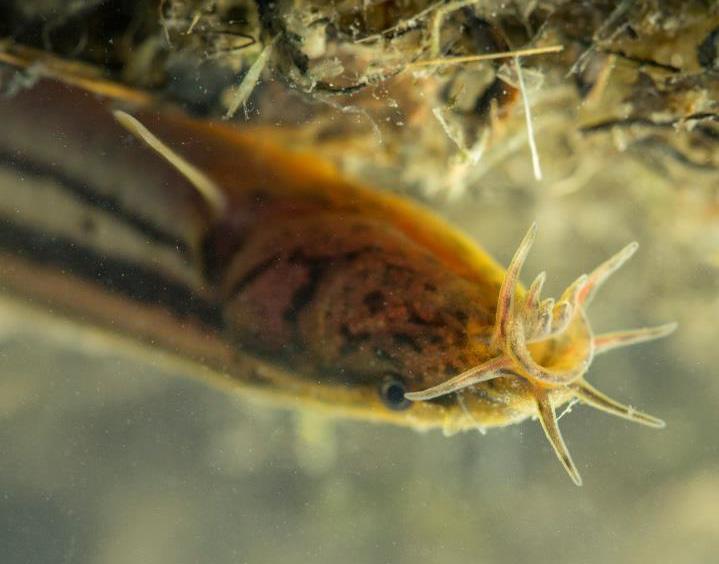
525 327
279 275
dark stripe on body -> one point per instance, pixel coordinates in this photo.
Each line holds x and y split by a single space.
305 294
115 275
80 191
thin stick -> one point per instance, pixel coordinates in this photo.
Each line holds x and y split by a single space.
530 129
69 72
212 193
486 57
568 408
404 24
195 21
240 93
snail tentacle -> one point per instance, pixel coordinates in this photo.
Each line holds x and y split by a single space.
616 339
548 419
588 394
486 371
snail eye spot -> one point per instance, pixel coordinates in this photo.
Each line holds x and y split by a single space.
392 392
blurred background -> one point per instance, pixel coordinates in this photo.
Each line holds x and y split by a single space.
110 457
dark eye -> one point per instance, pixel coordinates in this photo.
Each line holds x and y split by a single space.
392 392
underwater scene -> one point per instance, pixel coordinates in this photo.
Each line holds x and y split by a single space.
306 281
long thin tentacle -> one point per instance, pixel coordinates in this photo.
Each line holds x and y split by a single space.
548 419
561 316
535 292
485 371
603 272
505 303
574 290
566 307
588 394
540 321
547 305
616 339
544 322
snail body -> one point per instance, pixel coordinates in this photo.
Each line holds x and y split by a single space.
282 276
